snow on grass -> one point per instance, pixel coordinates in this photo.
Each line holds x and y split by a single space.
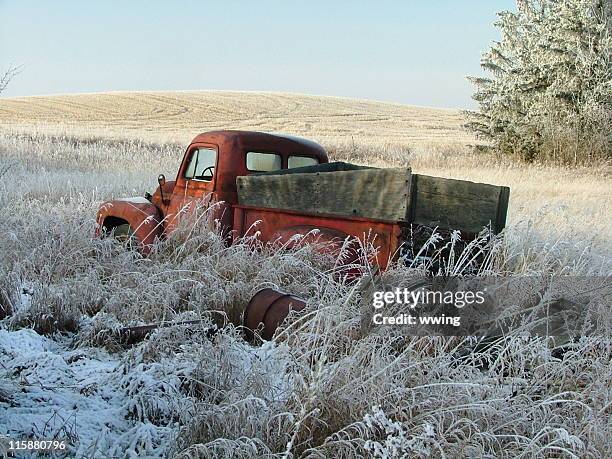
59 393
122 405
76 395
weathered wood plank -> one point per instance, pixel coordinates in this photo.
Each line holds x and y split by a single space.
458 188
458 204
502 208
371 193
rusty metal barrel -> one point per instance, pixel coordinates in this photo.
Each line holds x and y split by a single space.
269 307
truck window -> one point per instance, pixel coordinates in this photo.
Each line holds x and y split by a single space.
301 161
263 162
202 164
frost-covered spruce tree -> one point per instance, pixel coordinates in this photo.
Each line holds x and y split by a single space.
548 89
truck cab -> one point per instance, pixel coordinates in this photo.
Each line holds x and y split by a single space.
207 175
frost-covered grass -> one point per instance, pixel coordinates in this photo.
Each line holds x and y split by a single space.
327 386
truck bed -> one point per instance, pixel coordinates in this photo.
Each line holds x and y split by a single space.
378 207
393 195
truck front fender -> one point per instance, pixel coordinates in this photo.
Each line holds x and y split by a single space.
143 217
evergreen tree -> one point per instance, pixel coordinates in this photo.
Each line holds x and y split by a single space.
548 93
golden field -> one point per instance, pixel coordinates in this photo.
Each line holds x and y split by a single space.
179 115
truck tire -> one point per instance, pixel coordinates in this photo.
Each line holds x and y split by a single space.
125 235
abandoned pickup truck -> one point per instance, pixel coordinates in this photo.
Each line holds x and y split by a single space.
282 186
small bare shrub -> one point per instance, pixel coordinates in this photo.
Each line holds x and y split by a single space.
8 75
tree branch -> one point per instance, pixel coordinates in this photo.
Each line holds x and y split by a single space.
5 79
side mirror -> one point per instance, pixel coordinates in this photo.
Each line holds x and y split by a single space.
161 179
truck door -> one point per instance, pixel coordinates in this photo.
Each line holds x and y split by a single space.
195 183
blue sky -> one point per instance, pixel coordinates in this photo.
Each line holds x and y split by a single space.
413 51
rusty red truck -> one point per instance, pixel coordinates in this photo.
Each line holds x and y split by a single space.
283 186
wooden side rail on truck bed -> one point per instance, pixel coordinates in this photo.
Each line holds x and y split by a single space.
392 195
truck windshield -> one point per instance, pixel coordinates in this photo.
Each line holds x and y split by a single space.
263 162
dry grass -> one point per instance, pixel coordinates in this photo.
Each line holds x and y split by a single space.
332 388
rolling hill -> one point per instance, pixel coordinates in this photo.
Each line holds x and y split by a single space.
179 115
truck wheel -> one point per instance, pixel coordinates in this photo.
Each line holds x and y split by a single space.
124 234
